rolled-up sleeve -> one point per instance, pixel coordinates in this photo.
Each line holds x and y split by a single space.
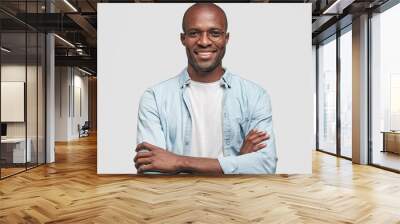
149 127
264 160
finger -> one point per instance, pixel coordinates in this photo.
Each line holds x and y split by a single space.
260 131
137 165
260 139
142 154
145 167
250 133
257 130
259 146
144 145
251 136
257 135
142 161
139 147
135 158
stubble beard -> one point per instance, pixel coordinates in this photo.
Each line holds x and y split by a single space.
205 69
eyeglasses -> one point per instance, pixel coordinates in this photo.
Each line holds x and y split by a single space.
213 35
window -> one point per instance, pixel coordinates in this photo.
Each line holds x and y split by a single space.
346 93
385 88
327 96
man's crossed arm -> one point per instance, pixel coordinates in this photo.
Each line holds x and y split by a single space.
250 161
152 158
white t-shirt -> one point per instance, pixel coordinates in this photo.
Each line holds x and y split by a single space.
206 111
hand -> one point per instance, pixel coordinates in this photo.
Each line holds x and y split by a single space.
152 158
253 141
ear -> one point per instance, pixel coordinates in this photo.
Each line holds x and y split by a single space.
226 38
183 39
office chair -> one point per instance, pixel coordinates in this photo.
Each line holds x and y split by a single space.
84 130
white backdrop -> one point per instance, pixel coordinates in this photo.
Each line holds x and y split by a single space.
139 46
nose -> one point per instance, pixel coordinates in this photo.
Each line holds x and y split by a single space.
204 41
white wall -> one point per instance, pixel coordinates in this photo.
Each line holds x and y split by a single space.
61 103
17 73
79 117
67 116
34 125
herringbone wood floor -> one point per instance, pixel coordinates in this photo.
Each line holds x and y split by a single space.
70 191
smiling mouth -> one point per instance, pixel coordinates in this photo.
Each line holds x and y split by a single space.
204 54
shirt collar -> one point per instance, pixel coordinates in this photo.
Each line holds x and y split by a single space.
184 79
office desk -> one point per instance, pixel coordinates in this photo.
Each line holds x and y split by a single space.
391 141
13 150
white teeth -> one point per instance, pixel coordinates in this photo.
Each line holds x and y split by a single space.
205 55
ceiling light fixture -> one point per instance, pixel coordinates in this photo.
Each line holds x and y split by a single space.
84 71
79 51
337 7
5 50
64 40
70 5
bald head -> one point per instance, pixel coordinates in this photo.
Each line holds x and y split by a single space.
195 10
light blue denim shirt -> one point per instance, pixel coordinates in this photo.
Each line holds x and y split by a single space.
164 120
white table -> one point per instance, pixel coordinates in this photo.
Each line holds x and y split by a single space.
18 149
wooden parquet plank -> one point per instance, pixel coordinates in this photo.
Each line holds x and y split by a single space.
70 191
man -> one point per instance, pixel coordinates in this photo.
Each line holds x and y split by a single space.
205 120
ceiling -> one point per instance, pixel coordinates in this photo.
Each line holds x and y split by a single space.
76 22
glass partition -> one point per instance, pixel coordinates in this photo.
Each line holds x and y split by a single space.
32 95
346 93
34 51
327 96
41 107
22 77
13 109
385 89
